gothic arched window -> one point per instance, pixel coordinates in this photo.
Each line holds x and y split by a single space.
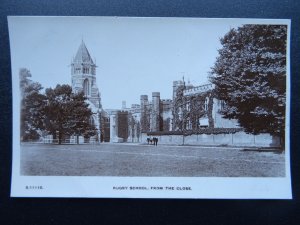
206 104
77 70
86 87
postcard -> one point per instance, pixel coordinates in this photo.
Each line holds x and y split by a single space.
134 107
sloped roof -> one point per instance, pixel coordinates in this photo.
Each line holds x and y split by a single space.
83 54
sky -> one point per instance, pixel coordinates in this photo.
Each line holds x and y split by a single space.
134 56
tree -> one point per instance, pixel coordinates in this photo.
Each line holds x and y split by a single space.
67 113
122 118
32 107
250 76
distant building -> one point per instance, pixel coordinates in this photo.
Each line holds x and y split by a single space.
157 114
125 123
196 108
191 108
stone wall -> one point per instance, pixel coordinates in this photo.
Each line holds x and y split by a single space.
236 139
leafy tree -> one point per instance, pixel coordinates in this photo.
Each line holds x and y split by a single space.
250 76
134 126
122 118
67 113
32 106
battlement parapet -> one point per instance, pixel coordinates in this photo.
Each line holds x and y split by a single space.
167 102
144 97
198 90
155 94
177 83
135 106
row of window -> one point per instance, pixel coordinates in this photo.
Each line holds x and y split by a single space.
188 105
84 70
221 105
189 125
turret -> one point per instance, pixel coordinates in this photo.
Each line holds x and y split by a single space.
176 85
145 119
155 111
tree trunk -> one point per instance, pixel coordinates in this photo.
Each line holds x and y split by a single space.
54 138
59 137
282 141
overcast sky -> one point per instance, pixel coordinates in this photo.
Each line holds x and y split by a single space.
134 56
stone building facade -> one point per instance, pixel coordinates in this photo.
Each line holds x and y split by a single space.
191 110
164 115
208 110
125 123
151 115
156 115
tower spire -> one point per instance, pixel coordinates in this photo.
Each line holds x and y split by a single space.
83 54
84 75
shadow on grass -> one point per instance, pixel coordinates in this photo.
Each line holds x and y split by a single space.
265 149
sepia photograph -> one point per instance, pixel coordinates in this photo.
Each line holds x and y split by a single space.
150 107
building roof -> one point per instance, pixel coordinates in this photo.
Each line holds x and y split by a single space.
83 55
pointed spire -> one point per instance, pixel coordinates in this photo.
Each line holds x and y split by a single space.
83 54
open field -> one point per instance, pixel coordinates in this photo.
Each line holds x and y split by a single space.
147 160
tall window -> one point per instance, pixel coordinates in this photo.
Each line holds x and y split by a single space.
222 104
86 70
206 104
86 87
78 70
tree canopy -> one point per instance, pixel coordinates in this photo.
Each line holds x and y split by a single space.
67 113
58 111
32 107
250 76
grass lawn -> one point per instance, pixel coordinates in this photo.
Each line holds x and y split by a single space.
139 160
